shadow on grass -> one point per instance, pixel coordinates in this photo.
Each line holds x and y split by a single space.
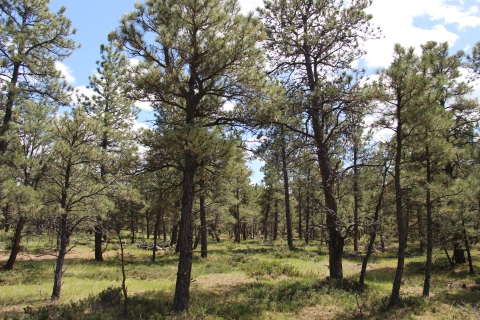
385 274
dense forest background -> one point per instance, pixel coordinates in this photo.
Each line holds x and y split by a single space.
281 86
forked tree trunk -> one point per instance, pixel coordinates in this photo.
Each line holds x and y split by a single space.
15 243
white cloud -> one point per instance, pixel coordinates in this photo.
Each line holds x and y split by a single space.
228 106
139 126
396 18
250 5
65 71
134 62
144 105
83 90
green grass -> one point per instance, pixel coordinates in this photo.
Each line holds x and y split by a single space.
252 280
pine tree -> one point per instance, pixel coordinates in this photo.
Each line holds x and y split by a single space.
29 154
116 113
32 39
401 87
311 46
194 54
73 188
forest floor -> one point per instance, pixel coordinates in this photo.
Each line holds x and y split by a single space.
253 280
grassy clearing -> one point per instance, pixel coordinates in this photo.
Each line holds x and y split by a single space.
248 281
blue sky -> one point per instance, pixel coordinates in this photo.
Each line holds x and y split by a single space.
409 22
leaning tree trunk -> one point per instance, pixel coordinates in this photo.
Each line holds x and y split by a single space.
373 235
6 214
64 238
15 243
336 239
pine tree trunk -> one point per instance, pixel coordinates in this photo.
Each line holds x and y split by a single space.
421 231
174 237
64 238
203 227
164 228
132 227
15 243
6 214
450 261
124 275
147 223
182 287
395 296
307 218
265 222
275 220
336 241
98 231
467 248
428 264
155 234
300 198
288 215
197 239
373 235
237 227
356 234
